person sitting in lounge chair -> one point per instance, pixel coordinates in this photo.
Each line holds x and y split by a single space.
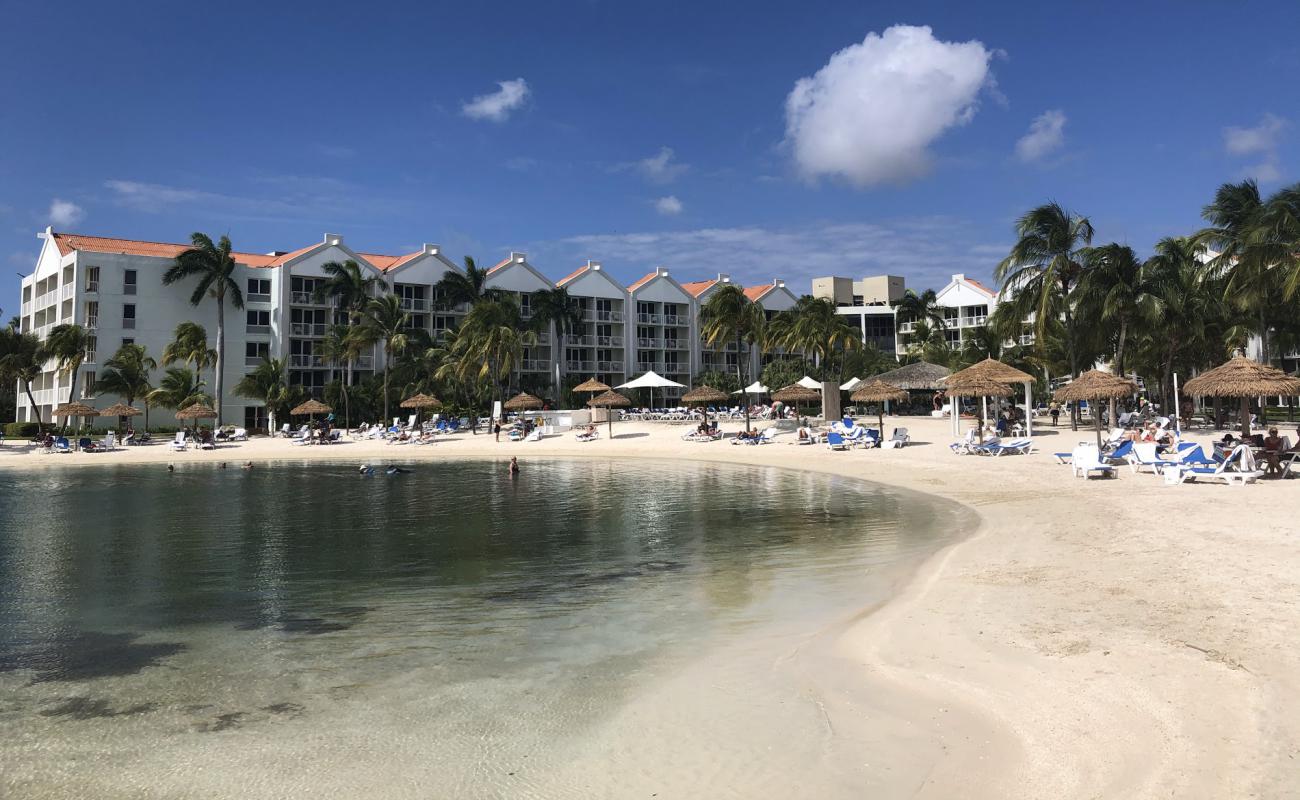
1273 447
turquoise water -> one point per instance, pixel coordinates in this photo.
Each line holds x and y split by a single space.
223 633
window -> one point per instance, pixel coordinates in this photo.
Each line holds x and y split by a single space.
258 321
92 315
259 290
254 352
92 279
255 418
128 315
127 340
88 385
128 281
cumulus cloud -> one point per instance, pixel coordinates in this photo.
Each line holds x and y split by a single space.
659 168
1046 135
64 214
872 112
497 105
928 250
319 199
669 206
1260 140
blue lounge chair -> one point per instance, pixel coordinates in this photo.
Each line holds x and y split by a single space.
1238 467
1018 447
1119 455
61 445
836 442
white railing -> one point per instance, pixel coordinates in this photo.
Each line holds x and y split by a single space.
609 341
674 369
967 322
609 366
47 299
27 308
543 337
582 341
89 357
646 366
650 319
414 304
306 329
534 365
906 327
128 324
306 299
676 319
252 361
257 298
92 323
361 362
674 344
306 360
579 366
257 329
649 344
92 286
68 292
602 316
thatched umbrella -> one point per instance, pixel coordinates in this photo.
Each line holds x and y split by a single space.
877 391
794 394
420 402
991 370
704 394
196 412
1093 386
74 410
523 402
609 400
120 410
592 386
1244 378
311 408
919 376
976 386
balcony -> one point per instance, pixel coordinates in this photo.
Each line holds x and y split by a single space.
315 329
609 341
580 366
92 286
675 369
252 361
906 327
609 366
414 304
257 298
674 344
92 323
971 322
68 292
582 341
361 362
306 361
675 319
128 324
27 308
646 366
649 344
89 357
534 365
543 337
650 319
595 315
257 329
306 299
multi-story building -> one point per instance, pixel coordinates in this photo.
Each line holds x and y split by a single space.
114 288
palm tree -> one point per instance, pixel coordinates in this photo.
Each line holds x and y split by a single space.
385 321
343 344
556 306
1039 275
179 389
352 289
923 307
189 345
1115 290
813 327
1188 311
467 288
488 345
67 345
1278 235
266 382
22 358
729 316
214 266
126 375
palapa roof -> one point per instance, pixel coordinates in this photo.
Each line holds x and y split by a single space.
705 394
75 410
421 401
977 386
1095 385
610 399
311 407
1242 377
120 410
876 390
591 385
523 402
990 369
794 393
919 375
197 411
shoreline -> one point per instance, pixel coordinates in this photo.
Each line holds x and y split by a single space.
1087 638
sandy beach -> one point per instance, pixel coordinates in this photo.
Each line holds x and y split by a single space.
1090 638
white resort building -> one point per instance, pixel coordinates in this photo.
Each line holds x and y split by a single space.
114 288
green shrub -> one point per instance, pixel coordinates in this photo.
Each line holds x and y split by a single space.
20 430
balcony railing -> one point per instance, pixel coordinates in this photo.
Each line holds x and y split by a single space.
414 304
543 337
602 316
582 341
307 360
609 366
68 292
580 366
534 365
906 327
129 324
92 286
675 369
92 323
27 308
649 344
361 362
252 361
89 357
257 329
306 329
650 319
257 298
674 344
609 341
646 366
968 322
305 299
676 319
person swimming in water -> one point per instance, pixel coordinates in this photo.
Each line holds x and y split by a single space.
396 471
366 469
513 469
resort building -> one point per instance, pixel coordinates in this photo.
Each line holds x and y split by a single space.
113 287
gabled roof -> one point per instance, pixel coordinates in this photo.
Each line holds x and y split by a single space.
499 265
285 258
986 290
68 242
755 293
579 271
643 281
697 288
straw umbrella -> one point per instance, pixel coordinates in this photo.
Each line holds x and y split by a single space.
794 394
992 370
420 402
121 410
311 408
75 410
196 412
702 395
877 391
1095 386
591 388
918 376
609 400
976 386
1244 378
523 402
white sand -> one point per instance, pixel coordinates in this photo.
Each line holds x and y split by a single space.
1100 638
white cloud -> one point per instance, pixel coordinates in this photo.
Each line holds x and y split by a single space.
498 105
1263 172
1046 135
659 168
927 250
872 112
1260 139
64 214
154 197
323 200
669 206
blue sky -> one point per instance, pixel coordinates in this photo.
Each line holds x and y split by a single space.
638 134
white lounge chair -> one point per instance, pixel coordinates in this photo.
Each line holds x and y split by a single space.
179 443
1086 459
110 441
901 438
1238 467
286 431
587 436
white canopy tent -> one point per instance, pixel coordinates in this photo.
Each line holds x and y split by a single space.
651 380
850 385
808 383
754 388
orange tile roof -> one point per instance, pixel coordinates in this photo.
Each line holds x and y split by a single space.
651 276
755 293
986 290
573 275
697 288
499 265
383 263
286 257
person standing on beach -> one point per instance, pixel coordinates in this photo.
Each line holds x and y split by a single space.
496 428
1055 411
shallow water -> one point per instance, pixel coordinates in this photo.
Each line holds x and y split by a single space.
273 632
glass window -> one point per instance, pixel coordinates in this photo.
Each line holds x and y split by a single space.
128 281
128 311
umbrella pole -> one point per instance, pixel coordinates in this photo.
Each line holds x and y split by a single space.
1096 423
1245 416
881 414
609 417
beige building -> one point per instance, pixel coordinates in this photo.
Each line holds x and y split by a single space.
877 290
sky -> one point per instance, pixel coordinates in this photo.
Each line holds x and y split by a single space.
759 139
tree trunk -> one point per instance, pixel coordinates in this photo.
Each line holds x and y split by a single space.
1263 339
385 384
221 356
1074 360
740 376
1119 364
27 387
